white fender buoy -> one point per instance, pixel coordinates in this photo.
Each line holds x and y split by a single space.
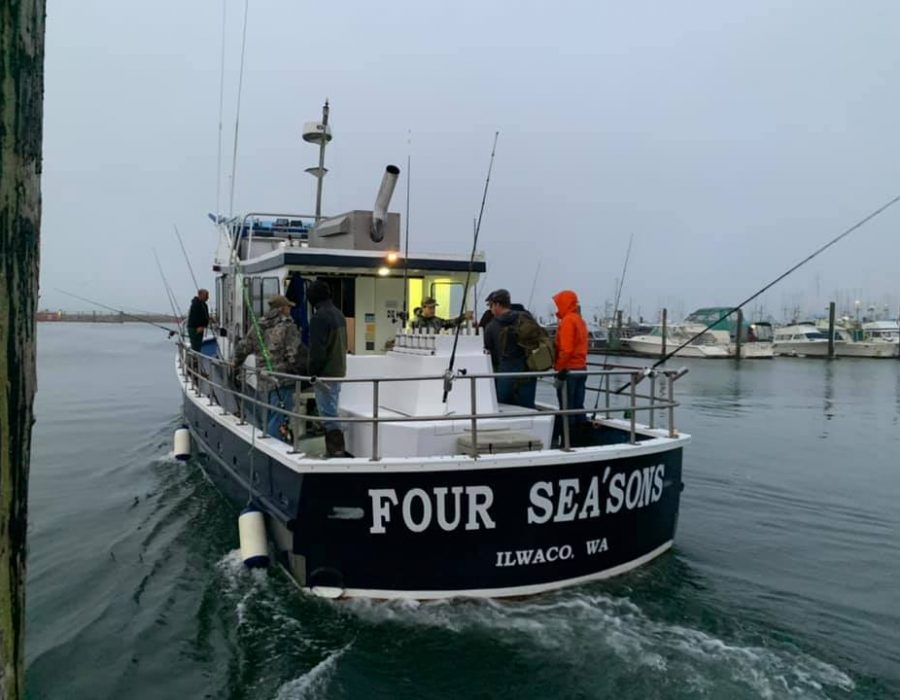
183 444
252 535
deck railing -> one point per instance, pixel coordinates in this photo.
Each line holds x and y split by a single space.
617 385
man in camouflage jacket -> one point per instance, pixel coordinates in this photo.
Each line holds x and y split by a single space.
285 352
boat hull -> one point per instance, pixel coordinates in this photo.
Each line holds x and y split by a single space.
521 527
653 348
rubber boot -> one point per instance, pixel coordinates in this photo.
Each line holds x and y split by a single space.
334 444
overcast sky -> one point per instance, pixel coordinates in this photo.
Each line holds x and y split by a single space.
730 138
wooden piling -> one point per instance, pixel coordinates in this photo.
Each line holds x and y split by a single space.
738 335
831 330
665 327
21 120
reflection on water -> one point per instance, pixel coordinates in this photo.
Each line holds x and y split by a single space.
828 388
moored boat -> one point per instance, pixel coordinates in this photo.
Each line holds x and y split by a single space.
447 492
706 346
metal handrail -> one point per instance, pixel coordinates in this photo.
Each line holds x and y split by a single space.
635 376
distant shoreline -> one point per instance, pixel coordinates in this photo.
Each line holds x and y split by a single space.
90 317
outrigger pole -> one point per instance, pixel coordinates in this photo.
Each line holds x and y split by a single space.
859 224
448 375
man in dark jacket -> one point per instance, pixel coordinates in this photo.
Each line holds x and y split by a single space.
327 358
501 340
198 319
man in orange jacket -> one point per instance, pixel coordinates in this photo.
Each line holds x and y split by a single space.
571 354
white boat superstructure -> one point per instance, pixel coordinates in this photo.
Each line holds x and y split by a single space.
706 346
810 340
800 340
882 330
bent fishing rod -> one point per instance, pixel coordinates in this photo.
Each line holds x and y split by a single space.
859 224
119 311
449 373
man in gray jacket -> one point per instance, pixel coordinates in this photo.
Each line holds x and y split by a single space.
327 358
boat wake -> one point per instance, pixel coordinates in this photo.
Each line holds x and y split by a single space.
597 633
315 681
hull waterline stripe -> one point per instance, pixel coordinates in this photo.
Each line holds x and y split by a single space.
512 591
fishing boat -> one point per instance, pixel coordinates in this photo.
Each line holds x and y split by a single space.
444 491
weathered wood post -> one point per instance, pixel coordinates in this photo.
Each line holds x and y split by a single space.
831 330
21 120
618 329
665 326
737 336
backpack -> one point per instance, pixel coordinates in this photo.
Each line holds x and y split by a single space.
534 341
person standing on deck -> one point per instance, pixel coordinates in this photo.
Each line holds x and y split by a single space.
430 323
501 340
571 354
327 358
198 319
283 353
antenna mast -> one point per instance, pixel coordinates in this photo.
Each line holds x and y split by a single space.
318 132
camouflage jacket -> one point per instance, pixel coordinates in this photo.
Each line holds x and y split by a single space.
282 339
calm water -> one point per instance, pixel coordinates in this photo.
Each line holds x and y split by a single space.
784 581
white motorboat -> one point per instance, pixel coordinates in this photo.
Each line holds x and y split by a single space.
800 340
707 345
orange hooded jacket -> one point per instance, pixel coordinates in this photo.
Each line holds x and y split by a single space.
571 333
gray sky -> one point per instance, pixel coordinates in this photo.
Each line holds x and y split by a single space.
731 138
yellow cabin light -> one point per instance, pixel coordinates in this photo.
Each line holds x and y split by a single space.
392 258
383 271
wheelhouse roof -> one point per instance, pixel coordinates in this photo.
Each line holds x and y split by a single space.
364 261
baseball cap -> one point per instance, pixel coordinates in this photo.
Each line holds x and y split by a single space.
278 301
499 296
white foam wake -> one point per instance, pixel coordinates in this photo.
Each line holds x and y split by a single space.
312 683
580 628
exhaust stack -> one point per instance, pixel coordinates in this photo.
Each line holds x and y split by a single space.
382 200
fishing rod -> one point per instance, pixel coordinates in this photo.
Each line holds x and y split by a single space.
537 273
859 224
119 311
237 114
186 258
176 309
616 308
449 373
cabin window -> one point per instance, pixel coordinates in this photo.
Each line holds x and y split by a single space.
260 290
449 296
270 287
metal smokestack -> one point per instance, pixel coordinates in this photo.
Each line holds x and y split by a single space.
388 182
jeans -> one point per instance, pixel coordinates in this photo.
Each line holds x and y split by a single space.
196 338
516 391
327 396
276 419
574 387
